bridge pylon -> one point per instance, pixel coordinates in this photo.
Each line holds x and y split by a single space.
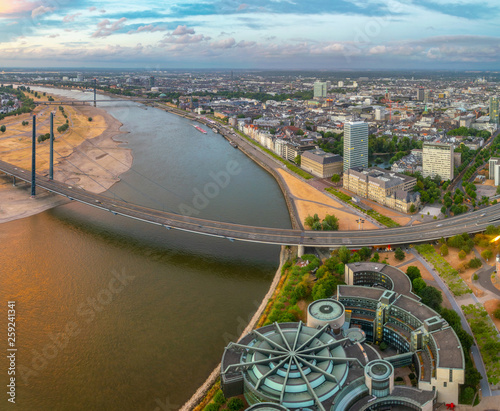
33 160
51 161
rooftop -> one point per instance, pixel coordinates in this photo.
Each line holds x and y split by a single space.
447 343
320 156
401 282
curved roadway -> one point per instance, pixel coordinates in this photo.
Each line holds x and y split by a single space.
469 222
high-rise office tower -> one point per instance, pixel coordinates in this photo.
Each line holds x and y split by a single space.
420 94
355 145
320 89
494 110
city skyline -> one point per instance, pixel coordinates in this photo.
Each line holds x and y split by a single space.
275 34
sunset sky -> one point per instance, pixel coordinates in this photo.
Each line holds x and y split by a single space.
283 34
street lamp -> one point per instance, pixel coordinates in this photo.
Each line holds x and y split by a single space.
360 223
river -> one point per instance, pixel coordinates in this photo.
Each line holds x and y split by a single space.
116 314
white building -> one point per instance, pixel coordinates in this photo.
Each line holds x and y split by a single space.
438 159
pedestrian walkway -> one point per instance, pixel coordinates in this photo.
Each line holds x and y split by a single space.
478 360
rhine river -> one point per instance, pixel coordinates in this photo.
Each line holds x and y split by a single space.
116 314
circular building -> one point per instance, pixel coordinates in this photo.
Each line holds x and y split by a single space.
327 311
288 363
379 378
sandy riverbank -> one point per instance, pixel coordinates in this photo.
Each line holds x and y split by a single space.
309 201
90 155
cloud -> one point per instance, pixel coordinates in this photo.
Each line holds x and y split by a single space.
378 50
244 43
106 28
39 11
92 8
71 17
181 30
12 23
223 44
184 39
149 28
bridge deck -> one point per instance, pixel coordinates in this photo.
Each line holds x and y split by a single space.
469 222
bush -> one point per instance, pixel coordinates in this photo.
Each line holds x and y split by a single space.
383 346
444 250
212 407
3 128
475 277
487 254
412 376
219 398
90 118
462 255
235 404
467 395
399 254
475 263
496 313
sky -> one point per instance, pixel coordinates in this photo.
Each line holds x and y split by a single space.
258 34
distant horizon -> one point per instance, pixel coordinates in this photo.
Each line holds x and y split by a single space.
267 34
229 69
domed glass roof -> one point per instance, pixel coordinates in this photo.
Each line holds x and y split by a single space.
294 365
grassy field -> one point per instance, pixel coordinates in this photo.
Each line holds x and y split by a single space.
450 276
487 339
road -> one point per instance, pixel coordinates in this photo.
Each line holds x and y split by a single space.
469 222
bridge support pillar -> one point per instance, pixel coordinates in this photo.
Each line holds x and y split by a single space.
33 160
95 92
301 251
14 181
51 161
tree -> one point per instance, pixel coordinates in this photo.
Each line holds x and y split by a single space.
431 297
444 250
297 160
475 263
330 223
376 257
309 221
3 128
336 178
413 272
487 254
365 253
413 208
418 285
344 254
462 255
325 287
90 118
399 254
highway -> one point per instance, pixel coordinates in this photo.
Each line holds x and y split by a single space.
471 222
